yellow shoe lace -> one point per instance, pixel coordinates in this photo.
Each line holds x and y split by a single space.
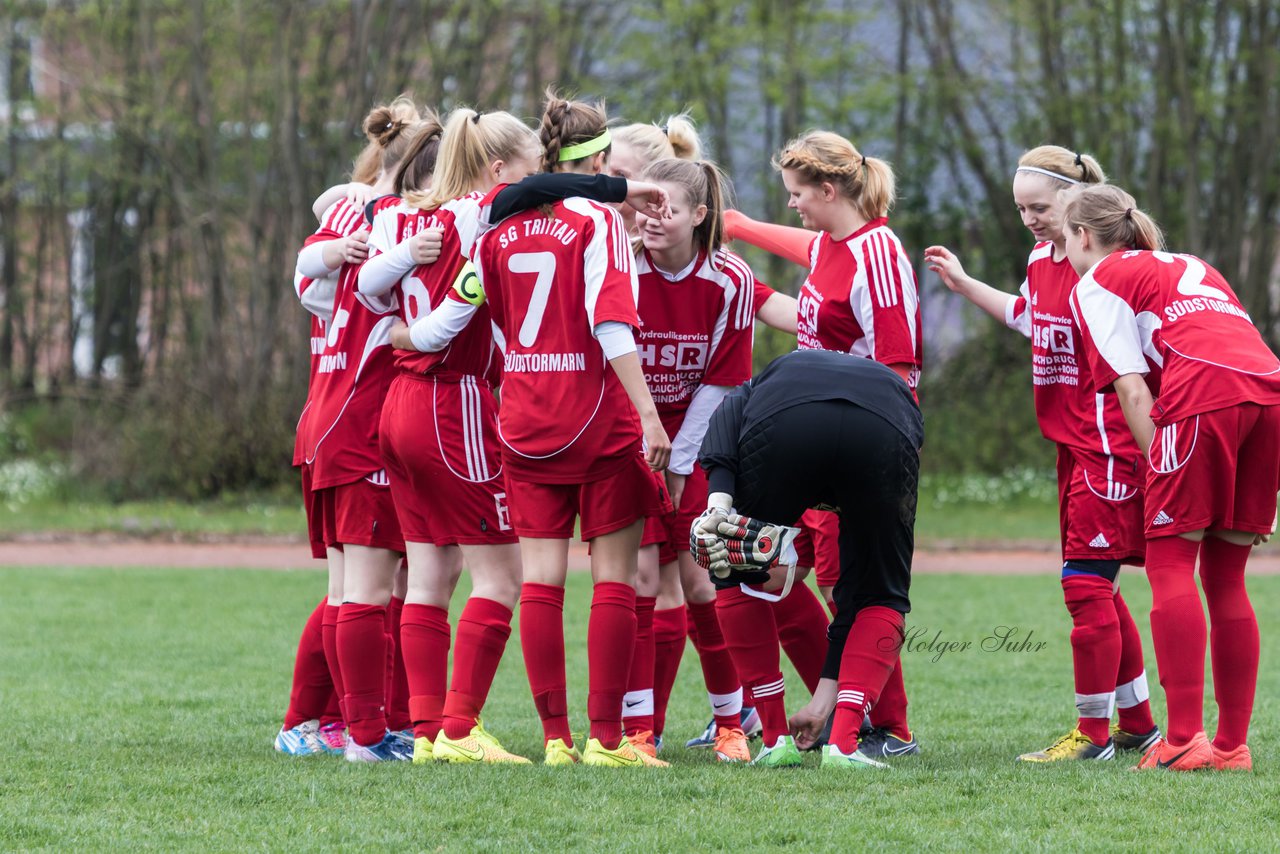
1067 745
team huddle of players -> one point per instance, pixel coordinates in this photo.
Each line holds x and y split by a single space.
580 270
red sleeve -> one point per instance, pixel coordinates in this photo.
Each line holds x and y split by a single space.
761 296
891 290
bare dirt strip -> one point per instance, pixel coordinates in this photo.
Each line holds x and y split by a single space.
109 552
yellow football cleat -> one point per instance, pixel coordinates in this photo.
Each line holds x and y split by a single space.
559 753
622 756
1075 745
422 748
477 746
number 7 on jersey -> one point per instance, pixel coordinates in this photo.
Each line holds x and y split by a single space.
542 265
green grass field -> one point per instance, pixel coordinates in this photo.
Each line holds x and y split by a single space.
949 523
141 706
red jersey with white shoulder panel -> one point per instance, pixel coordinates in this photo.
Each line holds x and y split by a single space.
316 295
1176 321
353 372
1068 409
695 329
549 281
471 352
860 297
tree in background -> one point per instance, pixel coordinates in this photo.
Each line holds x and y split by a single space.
160 158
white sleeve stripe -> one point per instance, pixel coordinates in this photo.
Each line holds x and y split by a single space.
867 260
875 270
744 283
886 262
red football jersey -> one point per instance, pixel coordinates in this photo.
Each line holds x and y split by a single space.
301 285
695 329
1070 412
425 286
1175 320
341 219
549 281
354 370
860 297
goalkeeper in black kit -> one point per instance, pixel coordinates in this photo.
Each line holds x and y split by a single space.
831 430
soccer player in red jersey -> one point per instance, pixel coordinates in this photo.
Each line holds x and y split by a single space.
671 603
309 726
341 445
440 444
1200 391
562 291
695 308
1100 469
860 297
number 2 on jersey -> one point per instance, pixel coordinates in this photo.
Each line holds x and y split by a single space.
542 265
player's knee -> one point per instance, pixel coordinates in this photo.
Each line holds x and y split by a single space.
1107 569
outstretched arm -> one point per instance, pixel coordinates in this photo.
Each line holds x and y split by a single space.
782 240
944 262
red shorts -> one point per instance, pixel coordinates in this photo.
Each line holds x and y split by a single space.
1098 518
439 438
547 510
314 504
657 526
365 515
1219 469
671 528
818 545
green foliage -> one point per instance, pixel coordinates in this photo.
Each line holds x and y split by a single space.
978 412
144 667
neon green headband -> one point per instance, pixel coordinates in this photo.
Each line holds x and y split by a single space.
583 149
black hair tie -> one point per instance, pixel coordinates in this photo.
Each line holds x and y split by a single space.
1128 214
665 130
1080 162
475 120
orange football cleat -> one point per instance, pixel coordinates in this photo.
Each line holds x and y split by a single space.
1238 759
1195 755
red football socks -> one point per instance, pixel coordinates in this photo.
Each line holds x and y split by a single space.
362 651
802 628
1233 639
718 669
424 641
670 626
611 638
753 641
329 638
483 630
398 680
890 710
1178 632
637 703
312 689
542 642
1132 703
1095 651
870 652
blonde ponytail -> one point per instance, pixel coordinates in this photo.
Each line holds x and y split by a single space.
819 156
